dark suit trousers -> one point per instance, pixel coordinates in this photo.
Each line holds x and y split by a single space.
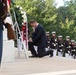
31 48
1 44
40 51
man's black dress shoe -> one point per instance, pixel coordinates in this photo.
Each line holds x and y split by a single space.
32 56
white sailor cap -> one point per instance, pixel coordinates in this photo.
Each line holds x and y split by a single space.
60 36
72 40
67 37
53 32
47 32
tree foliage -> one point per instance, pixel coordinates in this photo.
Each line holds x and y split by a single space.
61 20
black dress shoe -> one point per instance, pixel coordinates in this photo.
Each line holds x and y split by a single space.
32 56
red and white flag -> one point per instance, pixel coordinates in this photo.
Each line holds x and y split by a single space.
8 5
8 2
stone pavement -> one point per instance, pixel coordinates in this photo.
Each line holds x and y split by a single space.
39 66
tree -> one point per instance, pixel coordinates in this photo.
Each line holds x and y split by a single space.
66 19
61 20
41 10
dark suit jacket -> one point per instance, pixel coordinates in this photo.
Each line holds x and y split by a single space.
2 14
39 36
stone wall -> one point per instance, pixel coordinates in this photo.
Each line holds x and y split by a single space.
8 49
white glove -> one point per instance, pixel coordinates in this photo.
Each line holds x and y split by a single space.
8 20
61 50
68 51
54 44
55 40
69 46
62 45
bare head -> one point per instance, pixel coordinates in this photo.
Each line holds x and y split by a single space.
33 23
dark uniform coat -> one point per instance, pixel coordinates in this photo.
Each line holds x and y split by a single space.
60 45
2 17
67 45
53 42
2 14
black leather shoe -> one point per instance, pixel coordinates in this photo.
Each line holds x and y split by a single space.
32 56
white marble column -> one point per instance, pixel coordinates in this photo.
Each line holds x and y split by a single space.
8 49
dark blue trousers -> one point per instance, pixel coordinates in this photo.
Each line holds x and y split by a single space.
1 44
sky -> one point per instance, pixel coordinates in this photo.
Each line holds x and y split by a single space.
60 3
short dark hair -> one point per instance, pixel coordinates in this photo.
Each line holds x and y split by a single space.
32 21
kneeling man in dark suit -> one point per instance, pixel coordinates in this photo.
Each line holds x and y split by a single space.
39 39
